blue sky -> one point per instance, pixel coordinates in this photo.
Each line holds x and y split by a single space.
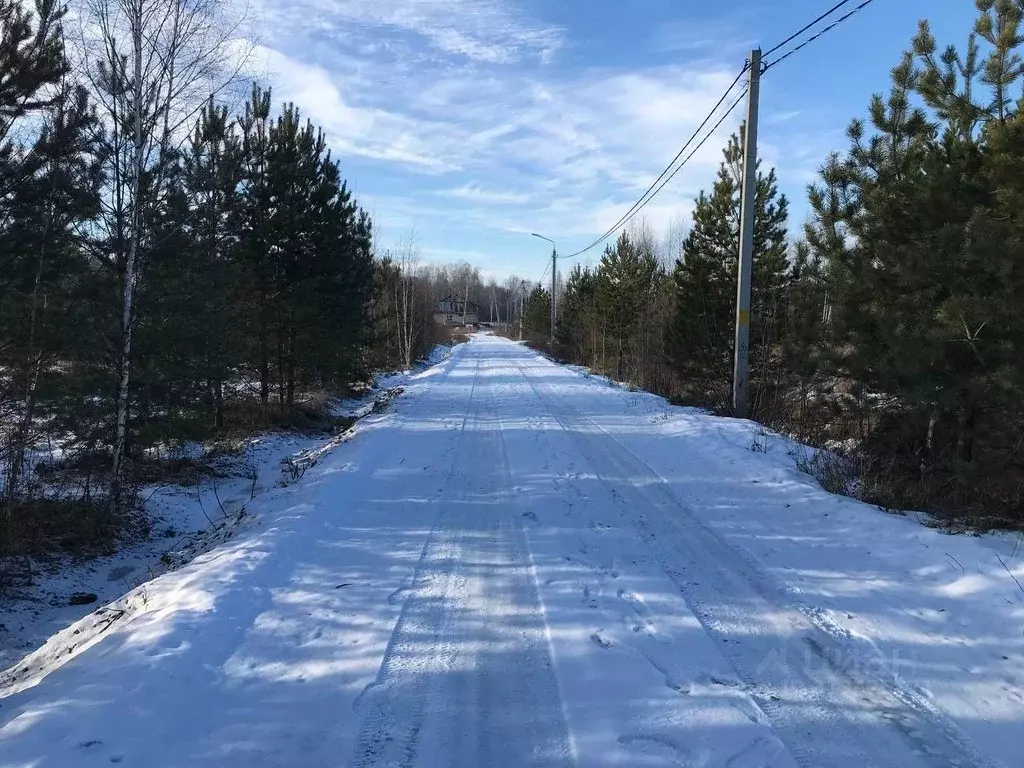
472 123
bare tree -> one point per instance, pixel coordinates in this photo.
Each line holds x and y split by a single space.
151 65
410 320
671 246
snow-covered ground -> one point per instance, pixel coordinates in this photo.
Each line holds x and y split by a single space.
186 520
517 564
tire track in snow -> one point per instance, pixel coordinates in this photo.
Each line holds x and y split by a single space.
826 715
393 718
550 688
467 678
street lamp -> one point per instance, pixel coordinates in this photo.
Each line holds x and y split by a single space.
522 300
554 260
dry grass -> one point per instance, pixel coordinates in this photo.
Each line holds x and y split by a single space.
835 473
46 526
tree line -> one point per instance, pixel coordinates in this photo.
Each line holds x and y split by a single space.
890 328
408 291
171 269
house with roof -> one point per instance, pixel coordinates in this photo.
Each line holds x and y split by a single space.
456 310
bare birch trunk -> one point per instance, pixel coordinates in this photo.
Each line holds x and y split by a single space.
406 318
176 55
128 285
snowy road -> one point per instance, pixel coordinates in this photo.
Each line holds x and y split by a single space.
520 565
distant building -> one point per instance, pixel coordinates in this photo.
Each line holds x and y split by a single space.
456 310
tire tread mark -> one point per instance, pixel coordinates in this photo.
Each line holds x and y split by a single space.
377 739
959 753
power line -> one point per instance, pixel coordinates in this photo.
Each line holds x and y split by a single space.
800 31
814 37
717 125
641 202
696 149
669 173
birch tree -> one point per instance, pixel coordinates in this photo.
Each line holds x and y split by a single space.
410 319
151 66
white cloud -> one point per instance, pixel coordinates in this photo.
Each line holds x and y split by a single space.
478 194
475 132
774 118
723 35
487 31
595 132
369 132
482 30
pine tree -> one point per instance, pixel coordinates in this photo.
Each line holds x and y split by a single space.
537 316
918 231
49 179
143 281
213 173
579 321
320 262
180 363
629 279
1000 240
804 348
702 332
254 233
32 57
334 326
168 395
955 83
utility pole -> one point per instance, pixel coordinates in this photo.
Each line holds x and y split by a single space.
554 304
522 301
554 268
740 376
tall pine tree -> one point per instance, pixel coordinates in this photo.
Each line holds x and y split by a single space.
918 229
49 181
629 281
702 333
